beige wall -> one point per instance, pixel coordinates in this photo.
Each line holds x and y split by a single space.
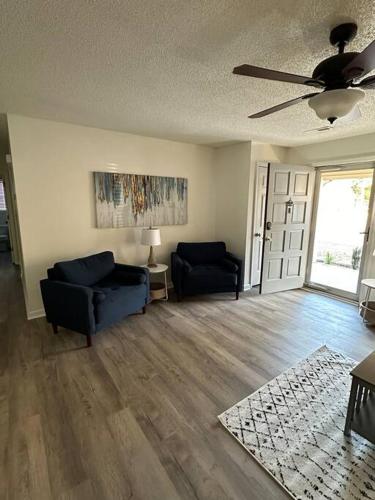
235 168
350 149
232 177
52 167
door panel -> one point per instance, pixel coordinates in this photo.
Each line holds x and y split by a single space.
289 199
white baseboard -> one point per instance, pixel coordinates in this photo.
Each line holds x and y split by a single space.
37 313
246 287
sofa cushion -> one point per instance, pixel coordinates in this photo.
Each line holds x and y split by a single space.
202 253
86 271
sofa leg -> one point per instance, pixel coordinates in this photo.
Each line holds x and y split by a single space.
237 295
179 297
55 328
89 341
144 310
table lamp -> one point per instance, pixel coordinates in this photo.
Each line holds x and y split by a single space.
151 236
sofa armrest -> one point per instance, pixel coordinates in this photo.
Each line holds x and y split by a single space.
231 257
68 305
134 275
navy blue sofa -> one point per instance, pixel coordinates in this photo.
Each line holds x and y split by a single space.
205 268
89 294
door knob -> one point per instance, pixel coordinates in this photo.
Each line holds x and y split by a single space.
257 235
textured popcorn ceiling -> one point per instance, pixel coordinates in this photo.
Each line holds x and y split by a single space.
163 67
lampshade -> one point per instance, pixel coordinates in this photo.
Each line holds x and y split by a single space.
333 104
151 236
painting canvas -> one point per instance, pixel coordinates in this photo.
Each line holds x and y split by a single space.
124 200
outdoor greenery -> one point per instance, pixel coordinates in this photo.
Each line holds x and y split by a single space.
356 257
328 258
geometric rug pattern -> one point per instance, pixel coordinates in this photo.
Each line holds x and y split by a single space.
293 426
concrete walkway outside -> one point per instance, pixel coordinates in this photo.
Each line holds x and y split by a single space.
342 278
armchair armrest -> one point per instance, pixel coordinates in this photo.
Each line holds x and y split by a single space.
70 306
229 265
238 262
181 263
126 268
133 275
178 268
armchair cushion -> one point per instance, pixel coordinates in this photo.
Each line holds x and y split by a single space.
121 278
120 301
86 271
211 276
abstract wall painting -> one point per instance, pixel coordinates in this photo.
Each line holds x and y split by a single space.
124 200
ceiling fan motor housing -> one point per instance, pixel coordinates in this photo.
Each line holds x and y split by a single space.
330 71
343 34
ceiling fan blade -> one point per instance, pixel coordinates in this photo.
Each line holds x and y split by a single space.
362 63
324 128
283 105
270 74
367 83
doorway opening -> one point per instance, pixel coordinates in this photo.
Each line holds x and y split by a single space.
4 228
341 224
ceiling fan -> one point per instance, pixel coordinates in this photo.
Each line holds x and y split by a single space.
355 114
337 77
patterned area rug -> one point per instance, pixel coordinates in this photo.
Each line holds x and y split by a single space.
293 426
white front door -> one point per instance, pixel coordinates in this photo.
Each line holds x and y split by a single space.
258 226
288 213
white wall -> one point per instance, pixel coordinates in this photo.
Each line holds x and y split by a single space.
52 165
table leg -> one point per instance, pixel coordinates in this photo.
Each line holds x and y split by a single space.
351 405
367 300
365 396
359 398
166 286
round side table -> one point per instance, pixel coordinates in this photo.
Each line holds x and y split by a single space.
366 306
158 291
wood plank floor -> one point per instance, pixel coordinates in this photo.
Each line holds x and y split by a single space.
135 416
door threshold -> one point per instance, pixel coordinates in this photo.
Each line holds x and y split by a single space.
332 295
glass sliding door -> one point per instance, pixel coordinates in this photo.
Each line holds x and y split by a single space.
341 230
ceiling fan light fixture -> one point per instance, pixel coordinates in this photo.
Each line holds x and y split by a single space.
333 104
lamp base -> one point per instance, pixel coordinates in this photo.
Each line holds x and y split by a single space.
151 261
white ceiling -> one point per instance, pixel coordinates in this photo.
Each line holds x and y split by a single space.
163 67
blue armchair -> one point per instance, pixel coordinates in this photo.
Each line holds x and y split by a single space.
205 268
89 294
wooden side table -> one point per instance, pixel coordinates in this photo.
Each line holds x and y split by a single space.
158 291
360 416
